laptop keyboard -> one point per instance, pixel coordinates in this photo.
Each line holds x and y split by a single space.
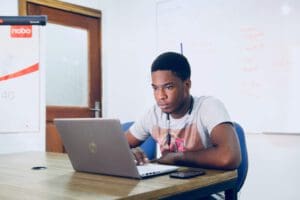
151 169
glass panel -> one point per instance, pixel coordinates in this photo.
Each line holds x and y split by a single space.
66 66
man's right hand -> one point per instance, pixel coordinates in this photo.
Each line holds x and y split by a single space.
140 156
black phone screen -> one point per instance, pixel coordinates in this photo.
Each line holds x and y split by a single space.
189 173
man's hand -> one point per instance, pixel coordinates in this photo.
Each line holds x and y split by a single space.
140 156
169 158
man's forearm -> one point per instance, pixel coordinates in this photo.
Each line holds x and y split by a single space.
209 158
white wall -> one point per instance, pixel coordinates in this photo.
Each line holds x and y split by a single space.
273 167
128 50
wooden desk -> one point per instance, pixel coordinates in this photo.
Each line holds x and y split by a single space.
60 181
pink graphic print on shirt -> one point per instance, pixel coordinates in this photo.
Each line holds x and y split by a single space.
186 139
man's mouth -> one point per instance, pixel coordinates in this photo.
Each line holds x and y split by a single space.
163 106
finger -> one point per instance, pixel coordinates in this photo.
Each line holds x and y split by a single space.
133 151
140 156
145 158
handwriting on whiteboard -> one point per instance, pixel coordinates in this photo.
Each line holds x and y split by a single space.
7 95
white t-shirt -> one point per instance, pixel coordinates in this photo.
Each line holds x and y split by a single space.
189 133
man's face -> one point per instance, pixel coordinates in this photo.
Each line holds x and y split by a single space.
170 92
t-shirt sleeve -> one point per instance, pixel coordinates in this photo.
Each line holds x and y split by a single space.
213 112
141 128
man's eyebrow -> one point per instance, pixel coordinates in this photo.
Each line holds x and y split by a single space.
163 85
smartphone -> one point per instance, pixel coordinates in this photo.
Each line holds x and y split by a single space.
189 173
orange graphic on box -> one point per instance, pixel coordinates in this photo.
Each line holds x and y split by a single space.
22 72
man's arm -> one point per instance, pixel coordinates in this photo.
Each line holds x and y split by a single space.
224 154
132 141
140 156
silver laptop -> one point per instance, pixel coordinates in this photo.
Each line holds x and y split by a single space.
98 145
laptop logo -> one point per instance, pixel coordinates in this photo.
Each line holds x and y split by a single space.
92 147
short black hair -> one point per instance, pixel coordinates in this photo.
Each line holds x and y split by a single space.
175 62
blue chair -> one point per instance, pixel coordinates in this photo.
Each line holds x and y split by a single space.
243 168
148 146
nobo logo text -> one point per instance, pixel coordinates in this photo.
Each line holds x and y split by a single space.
21 31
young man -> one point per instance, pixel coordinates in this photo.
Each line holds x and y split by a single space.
192 131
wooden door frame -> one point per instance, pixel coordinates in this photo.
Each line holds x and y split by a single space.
78 10
59 5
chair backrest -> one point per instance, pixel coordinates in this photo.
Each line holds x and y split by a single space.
243 168
148 146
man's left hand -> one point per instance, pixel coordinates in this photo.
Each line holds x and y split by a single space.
169 158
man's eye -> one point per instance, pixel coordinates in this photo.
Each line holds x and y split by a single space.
170 87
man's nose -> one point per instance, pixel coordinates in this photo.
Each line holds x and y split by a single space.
161 94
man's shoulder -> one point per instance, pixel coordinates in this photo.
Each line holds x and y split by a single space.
199 100
205 104
206 100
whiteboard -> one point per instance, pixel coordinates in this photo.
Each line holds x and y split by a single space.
19 78
246 53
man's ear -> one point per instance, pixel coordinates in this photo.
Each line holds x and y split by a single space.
188 83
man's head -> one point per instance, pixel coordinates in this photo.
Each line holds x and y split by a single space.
170 73
174 62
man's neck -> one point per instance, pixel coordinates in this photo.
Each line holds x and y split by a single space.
184 108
